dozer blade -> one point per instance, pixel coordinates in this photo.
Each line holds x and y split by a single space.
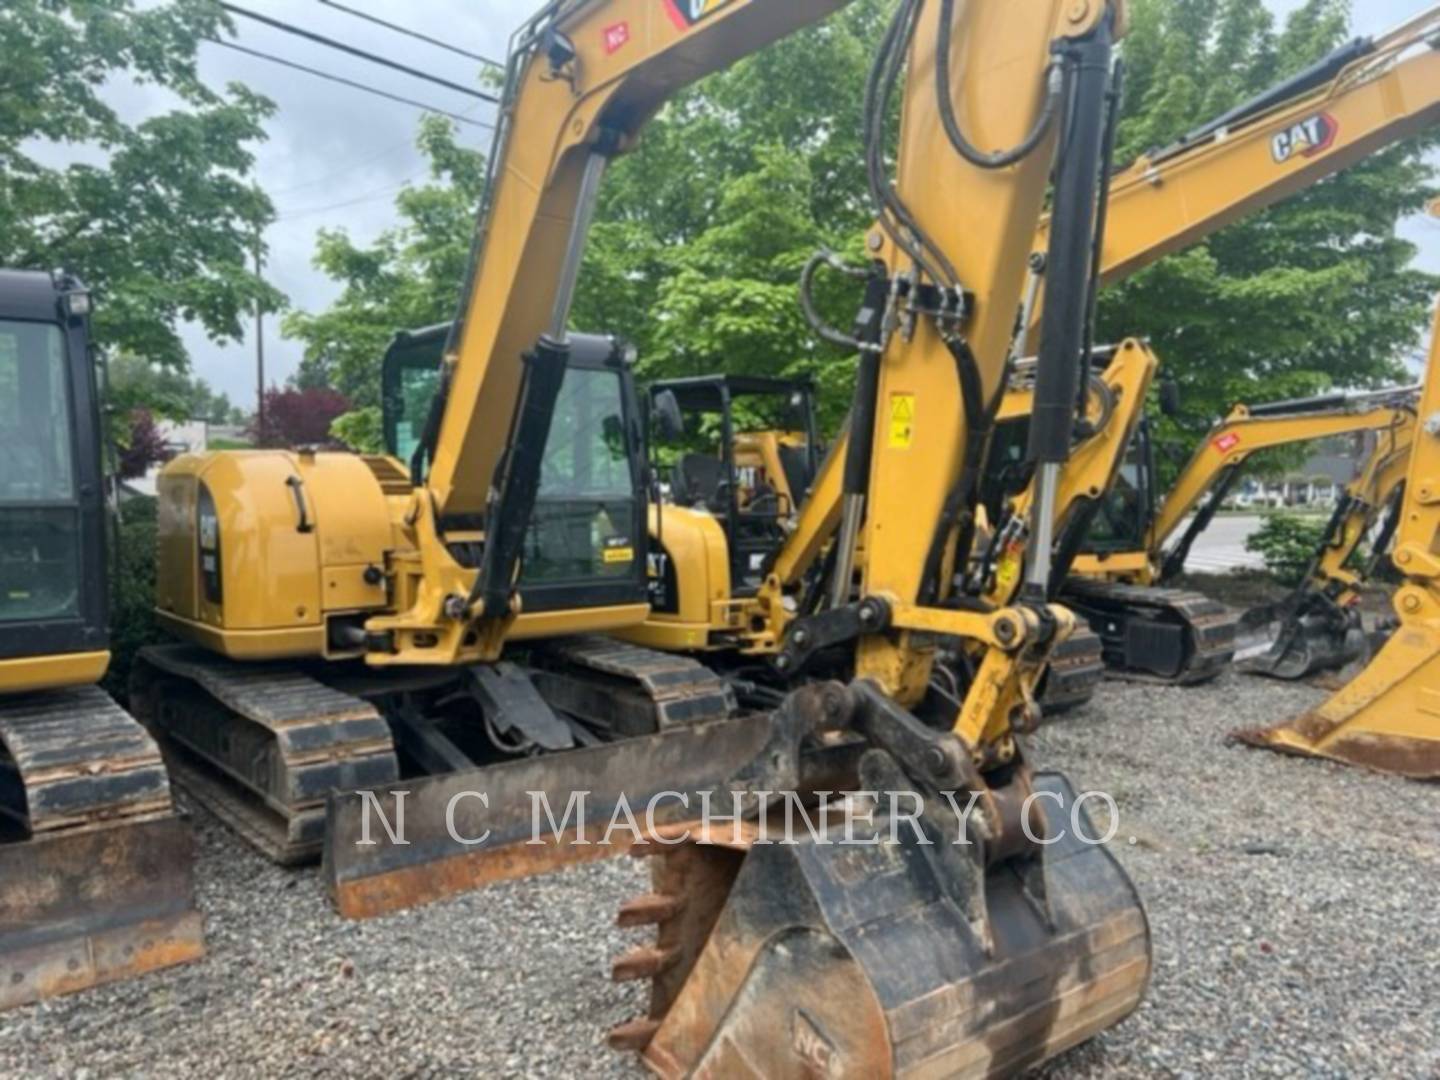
80 908
1308 644
1387 718
821 958
465 830
95 866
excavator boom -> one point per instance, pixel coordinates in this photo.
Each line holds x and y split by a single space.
1369 95
1320 624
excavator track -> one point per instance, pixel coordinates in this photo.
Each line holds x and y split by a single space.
96 868
1077 667
262 745
1157 635
627 690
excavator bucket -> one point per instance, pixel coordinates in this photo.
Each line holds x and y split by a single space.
1307 641
1387 718
822 958
96 868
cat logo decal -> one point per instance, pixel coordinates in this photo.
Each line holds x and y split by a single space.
1307 139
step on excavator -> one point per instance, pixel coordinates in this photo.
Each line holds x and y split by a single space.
406 592
96 866
1383 719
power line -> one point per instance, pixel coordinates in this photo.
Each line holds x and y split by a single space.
349 82
331 43
414 34
349 168
282 216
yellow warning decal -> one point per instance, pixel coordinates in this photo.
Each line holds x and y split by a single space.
619 555
902 421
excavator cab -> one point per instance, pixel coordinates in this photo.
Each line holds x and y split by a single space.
747 453
409 380
52 513
1122 520
95 865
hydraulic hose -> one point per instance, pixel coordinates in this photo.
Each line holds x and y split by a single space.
894 216
964 147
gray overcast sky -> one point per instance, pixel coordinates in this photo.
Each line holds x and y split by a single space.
336 157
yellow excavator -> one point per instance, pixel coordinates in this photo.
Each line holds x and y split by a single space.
1383 718
1364 97
1137 543
325 586
1320 624
1367 95
96 867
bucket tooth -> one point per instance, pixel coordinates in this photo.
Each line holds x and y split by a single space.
644 962
633 1035
648 910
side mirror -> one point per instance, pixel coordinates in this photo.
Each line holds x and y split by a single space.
1169 397
665 411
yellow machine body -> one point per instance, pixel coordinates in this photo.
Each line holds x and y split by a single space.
1035 947
1226 447
1175 197
34 673
264 553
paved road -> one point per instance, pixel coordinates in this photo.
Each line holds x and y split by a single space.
1221 547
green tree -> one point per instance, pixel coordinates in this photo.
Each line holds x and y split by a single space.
174 395
409 278
1318 292
158 217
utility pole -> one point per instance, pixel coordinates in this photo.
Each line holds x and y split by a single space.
259 350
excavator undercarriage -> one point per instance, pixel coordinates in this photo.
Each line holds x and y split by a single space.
96 867
263 745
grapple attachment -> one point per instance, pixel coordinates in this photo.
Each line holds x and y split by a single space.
822 958
1383 719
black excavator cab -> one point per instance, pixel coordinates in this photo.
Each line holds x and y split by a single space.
52 499
746 449
588 528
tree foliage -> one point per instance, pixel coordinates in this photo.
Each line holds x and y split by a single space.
141 446
296 416
158 217
135 383
1288 544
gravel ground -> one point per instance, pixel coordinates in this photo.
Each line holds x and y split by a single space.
1293 905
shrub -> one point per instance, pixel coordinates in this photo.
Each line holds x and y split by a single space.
132 591
1288 543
